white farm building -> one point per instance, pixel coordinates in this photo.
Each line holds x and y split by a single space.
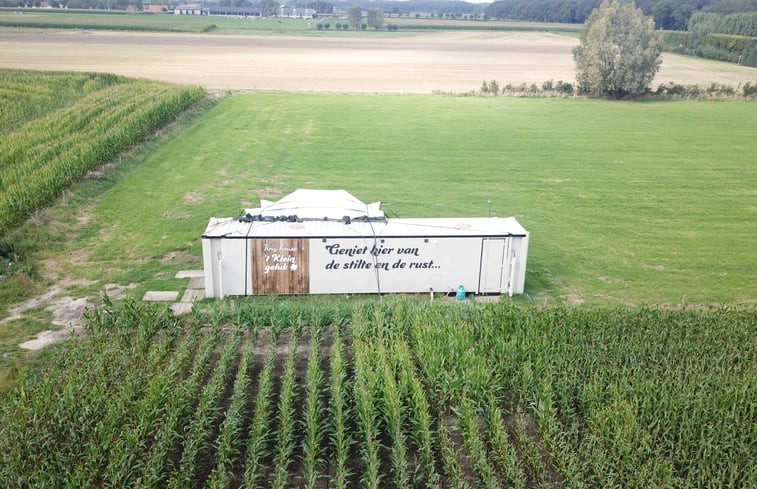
329 242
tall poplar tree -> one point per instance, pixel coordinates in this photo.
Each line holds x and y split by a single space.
355 14
619 52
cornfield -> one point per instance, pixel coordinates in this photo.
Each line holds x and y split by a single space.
392 394
68 124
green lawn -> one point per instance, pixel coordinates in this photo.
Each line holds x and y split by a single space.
625 202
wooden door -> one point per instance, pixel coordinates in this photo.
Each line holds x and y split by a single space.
280 266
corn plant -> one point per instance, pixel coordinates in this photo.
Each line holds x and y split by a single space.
105 438
639 397
260 428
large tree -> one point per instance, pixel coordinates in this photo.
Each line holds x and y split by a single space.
376 18
619 52
355 14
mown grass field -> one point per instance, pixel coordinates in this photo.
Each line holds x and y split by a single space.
625 202
394 394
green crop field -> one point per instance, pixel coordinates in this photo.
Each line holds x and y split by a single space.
141 21
398 394
58 126
103 20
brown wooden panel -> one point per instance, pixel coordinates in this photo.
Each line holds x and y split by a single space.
280 266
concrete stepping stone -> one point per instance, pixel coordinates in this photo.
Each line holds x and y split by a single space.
197 283
180 308
161 295
190 273
191 295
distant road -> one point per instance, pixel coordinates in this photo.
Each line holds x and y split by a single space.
455 61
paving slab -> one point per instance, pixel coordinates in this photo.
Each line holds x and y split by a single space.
197 283
161 295
180 308
489 298
191 295
190 273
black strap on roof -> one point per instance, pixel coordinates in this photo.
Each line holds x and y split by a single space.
294 218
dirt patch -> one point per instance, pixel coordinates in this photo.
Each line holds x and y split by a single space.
180 257
67 313
267 192
193 198
176 215
16 312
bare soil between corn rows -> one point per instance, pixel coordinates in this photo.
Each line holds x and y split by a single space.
425 63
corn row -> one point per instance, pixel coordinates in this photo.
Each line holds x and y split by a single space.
287 418
158 464
529 451
476 447
393 419
420 414
105 437
451 464
260 429
312 423
502 451
129 454
367 420
197 437
633 398
229 443
339 411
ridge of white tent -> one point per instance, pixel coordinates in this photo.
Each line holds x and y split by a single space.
317 204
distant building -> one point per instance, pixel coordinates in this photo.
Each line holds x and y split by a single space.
198 9
189 9
156 8
299 13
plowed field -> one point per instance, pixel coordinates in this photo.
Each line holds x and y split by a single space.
424 63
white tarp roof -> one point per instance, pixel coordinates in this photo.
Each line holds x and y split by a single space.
317 204
320 213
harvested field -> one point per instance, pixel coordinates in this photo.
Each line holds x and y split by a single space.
424 63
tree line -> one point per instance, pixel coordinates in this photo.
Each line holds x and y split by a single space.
667 14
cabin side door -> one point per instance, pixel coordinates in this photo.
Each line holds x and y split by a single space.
494 262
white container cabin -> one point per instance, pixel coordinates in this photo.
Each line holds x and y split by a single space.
329 242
